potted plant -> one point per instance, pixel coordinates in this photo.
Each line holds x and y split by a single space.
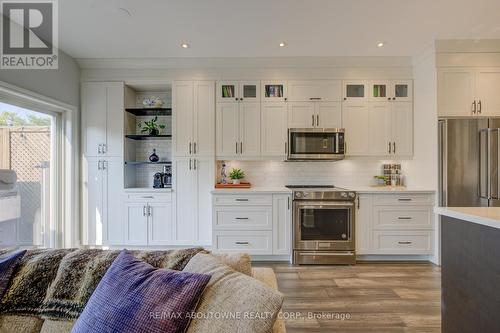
236 175
151 127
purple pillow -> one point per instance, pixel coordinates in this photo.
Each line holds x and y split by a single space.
133 296
8 264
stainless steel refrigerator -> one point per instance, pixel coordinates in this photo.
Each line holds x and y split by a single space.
468 168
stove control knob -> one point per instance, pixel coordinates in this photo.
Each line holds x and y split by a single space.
298 195
343 195
306 194
352 194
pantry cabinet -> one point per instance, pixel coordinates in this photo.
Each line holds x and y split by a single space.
193 118
274 91
391 90
102 118
238 130
314 90
466 92
238 91
193 182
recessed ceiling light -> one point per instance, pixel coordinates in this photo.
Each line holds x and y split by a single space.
185 45
381 44
282 44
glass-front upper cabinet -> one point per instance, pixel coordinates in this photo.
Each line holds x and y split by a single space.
227 91
380 90
238 91
274 91
402 90
356 90
249 91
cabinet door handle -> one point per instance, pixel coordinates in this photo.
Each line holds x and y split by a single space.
194 148
98 165
104 165
194 164
190 165
474 107
389 147
359 204
479 106
104 148
241 147
404 199
241 199
405 242
315 98
312 120
143 210
99 149
149 211
241 218
317 120
394 147
286 148
405 218
236 147
241 243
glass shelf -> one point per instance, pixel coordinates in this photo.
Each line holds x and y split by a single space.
150 111
148 137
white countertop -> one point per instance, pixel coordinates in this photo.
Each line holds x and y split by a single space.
487 216
148 189
389 189
255 190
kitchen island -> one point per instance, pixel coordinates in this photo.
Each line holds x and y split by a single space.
470 274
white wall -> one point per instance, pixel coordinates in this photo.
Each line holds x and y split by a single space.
62 84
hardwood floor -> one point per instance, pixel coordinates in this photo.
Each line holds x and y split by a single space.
365 298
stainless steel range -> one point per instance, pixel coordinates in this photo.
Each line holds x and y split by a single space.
323 225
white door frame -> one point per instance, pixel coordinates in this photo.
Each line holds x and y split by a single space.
66 194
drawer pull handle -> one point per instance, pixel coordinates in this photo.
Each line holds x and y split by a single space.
404 218
404 199
241 199
241 218
148 197
405 243
242 243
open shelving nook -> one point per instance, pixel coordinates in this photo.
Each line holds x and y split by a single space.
139 144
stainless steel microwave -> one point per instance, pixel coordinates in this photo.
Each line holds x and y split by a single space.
315 144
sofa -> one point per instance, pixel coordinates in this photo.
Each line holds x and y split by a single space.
50 276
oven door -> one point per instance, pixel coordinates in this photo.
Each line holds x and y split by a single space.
315 144
324 225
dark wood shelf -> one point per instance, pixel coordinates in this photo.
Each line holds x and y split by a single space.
148 137
144 163
150 111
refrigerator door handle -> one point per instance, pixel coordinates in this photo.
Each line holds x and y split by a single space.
484 164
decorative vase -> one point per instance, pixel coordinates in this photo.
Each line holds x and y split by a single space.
236 181
153 157
154 132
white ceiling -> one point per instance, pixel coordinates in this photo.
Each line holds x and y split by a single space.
254 28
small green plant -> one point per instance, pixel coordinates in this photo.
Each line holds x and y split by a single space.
151 127
236 174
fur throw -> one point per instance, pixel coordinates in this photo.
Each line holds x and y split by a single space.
56 284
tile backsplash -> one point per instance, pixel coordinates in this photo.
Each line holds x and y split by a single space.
345 173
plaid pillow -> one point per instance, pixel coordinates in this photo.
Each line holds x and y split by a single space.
133 296
8 264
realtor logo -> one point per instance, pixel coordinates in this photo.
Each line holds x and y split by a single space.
29 35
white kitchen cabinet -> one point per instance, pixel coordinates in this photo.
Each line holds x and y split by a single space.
257 223
102 118
356 122
234 91
363 230
468 92
160 223
391 90
487 96
378 128
282 224
314 115
193 118
193 182
238 130
314 90
273 130
136 224
394 224
274 91
102 201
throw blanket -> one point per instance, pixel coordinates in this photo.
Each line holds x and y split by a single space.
7 177
56 284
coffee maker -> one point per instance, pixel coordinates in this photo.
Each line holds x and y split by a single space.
163 179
